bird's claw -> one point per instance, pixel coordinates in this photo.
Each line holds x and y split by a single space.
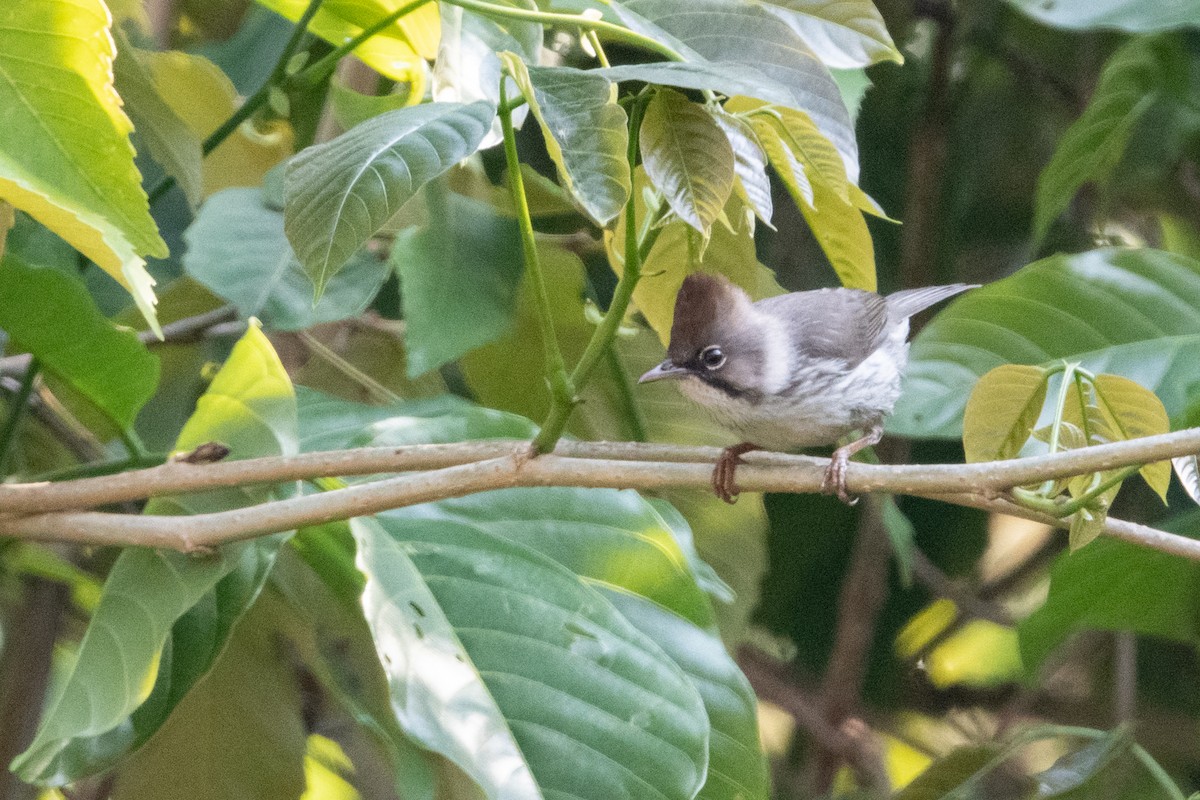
725 472
835 479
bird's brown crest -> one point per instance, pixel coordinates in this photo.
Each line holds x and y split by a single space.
703 301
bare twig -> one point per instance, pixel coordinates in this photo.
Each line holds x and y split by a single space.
940 584
469 467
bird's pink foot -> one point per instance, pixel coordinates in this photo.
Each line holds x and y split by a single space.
726 471
835 475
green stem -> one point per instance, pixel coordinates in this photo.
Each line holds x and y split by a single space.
1075 504
322 69
16 412
594 39
562 392
632 411
616 32
1068 371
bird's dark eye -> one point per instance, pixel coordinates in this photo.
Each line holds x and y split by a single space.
712 357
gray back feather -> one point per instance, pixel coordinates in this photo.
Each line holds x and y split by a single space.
902 305
843 324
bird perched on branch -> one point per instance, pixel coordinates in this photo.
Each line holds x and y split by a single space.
797 370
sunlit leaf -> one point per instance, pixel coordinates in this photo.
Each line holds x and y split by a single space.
65 156
1132 411
687 157
237 248
844 33
584 130
1124 312
1001 412
106 365
341 192
164 616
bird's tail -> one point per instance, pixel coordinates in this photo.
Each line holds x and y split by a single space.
902 305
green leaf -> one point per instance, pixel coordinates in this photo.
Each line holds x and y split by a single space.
584 130
1125 312
1113 585
174 145
749 163
687 157
1086 526
546 672
65 156
1131 411
737 767
949 773
1090 149
459 278
746 34
1075 770
341 192
239 733
51 315
843 33
163 617
1001 412
351 108
1132 16
237 248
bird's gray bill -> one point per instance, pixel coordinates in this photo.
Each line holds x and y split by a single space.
664 370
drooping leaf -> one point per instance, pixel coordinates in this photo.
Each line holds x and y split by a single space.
749 163
1131 411
164 617
841 230
745 33
237 248
398 51
584 130
1124 312
1090 149
1113 585
1001 412
542 676
65 156
459 278
844 34
687 157
106 365
341 192
204 97
174 145
351 108
1125 15
796 131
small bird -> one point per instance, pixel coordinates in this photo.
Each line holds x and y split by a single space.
792 371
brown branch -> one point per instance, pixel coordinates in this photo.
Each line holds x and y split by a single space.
469 467
940 584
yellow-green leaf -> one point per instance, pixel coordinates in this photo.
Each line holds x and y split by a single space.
1086 525
399 51
798 132
65 156
842 233
8 218
1002 411
1132 411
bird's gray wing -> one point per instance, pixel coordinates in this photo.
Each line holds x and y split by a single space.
845 324
902 305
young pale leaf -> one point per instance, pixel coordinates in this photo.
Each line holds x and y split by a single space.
174 145
65 156
1002 410
749 163
1086 525
237 248
459 278
338 194
584 130
1133 16
164 616
1131 411
1188 472
1090 149
842 232
51 315
796 131
844 33
750 36
542 677
687 157
1134 313
1116 586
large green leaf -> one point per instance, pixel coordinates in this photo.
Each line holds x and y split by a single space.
745 33
237 248
52 316
459 277
1114 585
687 157
164 617
844 33
1134 16
65 156
522 674
1125 312
1132 80
341 192
584 130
